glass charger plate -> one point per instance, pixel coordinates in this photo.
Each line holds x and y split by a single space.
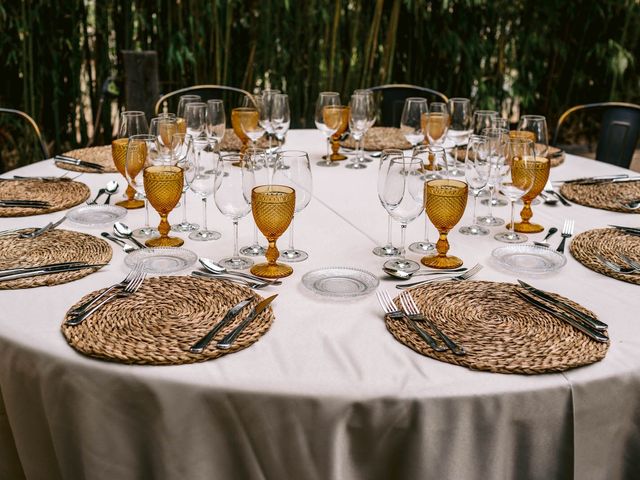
94 215
340 282
528 259
161 260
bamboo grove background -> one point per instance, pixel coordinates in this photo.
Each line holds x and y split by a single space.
534 56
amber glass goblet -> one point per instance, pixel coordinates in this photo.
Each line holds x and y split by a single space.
272 207
342 112
119 154
445 201
242 120
537 169
163 187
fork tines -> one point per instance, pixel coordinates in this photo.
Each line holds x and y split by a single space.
568 226
385 301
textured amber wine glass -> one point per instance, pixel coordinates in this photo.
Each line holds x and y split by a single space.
272 207
536 169
445 201
119 155
342 112
163 187
249 117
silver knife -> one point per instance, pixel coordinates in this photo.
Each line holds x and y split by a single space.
228 339
590 179
594 334
36 273
80 163
609 180
588 319
11 271
201 344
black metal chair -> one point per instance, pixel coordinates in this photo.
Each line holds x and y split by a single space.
618 134
393 97
232 97
18 134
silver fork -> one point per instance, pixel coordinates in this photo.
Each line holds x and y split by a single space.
629 261
42 230
130 289
567 232
465 276
413 312
615 267
390 310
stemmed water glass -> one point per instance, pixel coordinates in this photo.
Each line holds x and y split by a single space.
142 151
387 250
411 120
233 199
327 120
294 170
251 125
280 116
403 199
265 107
499 122
477 169
183 152
203 184
181 110
255 159
162 128
537 124
497 139
359 117
163 185
483 119
216 120
132 123
513 183
460 120
371 104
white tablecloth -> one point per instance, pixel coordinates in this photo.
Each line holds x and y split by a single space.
327 393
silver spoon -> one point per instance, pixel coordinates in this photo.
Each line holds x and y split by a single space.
401 274
125 246
102 191
632 204
544 243
111 188
548 200
123 231
218 269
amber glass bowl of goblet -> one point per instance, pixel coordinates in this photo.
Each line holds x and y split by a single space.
272 207
332 115
444 202
119 155
248 117
163 188
538 169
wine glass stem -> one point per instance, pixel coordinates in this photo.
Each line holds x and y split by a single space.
426 228
491 190
403 228
146 213
204 214
291 247
361 148
475 204
184 207
255 234
328 148
236 253
513 227
389 231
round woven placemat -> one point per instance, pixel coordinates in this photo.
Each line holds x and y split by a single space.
55 246
606 196
608 242
60 195
379 138
499 331
231 142
158 324
100 155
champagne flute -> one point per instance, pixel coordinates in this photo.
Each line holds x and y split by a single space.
537 124
183 152
477 169
255 159
411 120
327 120
203 184
243 119
445 201
403 199
460 123
142 151
216 120
483 119
281 116
180 111
233 199
273 207
131 123
431 156
387 250
359 117
514 184
497 139
294 170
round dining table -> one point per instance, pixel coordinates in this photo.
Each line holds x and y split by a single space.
327 393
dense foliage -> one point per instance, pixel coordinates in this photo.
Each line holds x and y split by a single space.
537 56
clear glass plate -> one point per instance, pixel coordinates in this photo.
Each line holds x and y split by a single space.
161 260
340 282
95 215
528 259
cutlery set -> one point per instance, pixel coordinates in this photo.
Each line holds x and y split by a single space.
218 272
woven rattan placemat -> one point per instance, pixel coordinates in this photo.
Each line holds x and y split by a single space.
499 331
606 196
100 155
55 246
231 142
167 315
59 194
608 242
379 138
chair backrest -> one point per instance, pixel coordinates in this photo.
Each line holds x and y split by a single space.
619 130
232 97
19 137
393 97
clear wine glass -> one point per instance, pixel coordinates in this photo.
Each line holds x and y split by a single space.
163 128
483 119
203 184
372 113
265 107
195 117
477 168
180 111
280 116
538 125
403 198
255 159
460 120
499 122
387 250
293 169
411 120
142 151
216 120
184 154
327 121
497 139
359 118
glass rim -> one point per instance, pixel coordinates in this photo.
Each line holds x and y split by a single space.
214 101
492 112
534 117
285 189
415 99
132 113
190 96
299 153
460 99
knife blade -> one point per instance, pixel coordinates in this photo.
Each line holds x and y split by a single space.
23 205
228 339
201 344
36 273
609 180
11 271
588 319
594 334
594 178
41 179
80 163
626 229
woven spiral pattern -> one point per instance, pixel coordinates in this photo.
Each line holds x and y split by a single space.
55 246
608 242
608 196
231 142
500 331
167 315
60 195
379 138
100 155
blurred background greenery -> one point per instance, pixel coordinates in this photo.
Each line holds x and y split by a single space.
517 56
